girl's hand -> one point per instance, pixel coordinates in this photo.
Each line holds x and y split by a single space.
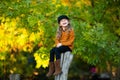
59 44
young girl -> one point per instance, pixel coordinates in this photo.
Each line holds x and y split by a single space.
64 42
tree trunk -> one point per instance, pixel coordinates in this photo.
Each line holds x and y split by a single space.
118 74
66 59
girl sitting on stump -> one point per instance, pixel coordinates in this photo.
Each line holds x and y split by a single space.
64 42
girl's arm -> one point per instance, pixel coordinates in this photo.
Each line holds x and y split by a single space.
56 41
70 40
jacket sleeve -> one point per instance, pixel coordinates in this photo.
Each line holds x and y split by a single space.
56 41
70 39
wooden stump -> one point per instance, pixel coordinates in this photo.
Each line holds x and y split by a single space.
66 59
14 76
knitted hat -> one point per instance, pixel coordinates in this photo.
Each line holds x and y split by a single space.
62 17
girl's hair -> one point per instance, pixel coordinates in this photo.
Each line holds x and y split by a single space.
59 31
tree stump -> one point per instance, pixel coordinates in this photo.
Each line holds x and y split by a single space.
14 76
66 59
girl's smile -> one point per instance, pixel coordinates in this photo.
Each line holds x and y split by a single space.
64 22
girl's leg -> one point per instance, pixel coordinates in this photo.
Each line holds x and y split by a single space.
60 50
51 63
57 51
52 53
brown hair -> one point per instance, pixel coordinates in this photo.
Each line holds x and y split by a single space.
59 31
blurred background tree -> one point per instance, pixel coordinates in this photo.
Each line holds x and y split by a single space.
28 30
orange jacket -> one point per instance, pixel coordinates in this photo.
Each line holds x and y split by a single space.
67 39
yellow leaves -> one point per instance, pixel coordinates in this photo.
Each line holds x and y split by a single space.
14 39
13 23
28 47
10 8
118 31
86 2
18 0
3 19
78 4
12 58
7 19
34 2
39 23
40 33
1 33
17 19
40 44
13 70
11 35
65 2
83 2
32 37
57 6
41 58
21 40
22 15
2 57
53 1
10 25
23 31
40 61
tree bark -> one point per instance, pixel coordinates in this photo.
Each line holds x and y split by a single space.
66 59
118 74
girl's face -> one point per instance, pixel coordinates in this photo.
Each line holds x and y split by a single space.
64 22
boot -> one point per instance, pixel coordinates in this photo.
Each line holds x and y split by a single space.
57 67
51 69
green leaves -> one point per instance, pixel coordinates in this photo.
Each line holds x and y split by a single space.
93 41
32 20
96 25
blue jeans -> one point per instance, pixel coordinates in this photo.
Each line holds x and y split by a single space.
57 51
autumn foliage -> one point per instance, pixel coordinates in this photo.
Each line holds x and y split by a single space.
28 27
